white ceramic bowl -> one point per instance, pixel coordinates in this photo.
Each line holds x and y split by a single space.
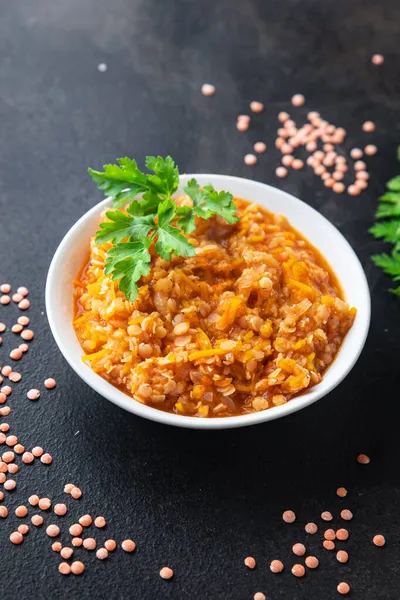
318 230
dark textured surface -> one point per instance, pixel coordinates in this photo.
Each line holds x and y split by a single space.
197 501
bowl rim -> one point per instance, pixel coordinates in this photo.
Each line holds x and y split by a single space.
113 394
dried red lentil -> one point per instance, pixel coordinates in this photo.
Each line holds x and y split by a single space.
312 562
379 540
100 522
76 529
329 534
128 545
363 459
66 552
46 459
56 546
21 511
342 556
299 549
343 588
24 528
33 394
328 545
64 568
44 503
76 493
346 514
250 562
326 516
342 534
77 542
77 567
50 383
53 530
89 543
60 509
166 573
37 520
110 545
298 570
16 537
289 516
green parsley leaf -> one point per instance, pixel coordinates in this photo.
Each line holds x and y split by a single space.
221 204
206 203
121 226
395 291
128 262
154 217
388 210
389 264
120 182
389 229
394 184
166 179
170 240
393 197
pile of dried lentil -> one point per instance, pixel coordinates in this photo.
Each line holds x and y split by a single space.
329 541
38 511
323 141
41 510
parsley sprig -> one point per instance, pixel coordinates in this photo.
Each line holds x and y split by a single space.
387 228
155 217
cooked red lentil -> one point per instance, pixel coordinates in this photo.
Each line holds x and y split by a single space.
249 322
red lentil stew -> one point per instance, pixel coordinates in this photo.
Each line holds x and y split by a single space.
250 321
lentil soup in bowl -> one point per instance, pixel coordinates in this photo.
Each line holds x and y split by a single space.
265 316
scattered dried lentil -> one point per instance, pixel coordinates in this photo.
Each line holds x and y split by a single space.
77 567
53 530
298 570
56 546
312 562
64 568
166 573
289 516
343 588
16 538
379 540
128 545
50 383
363 459
60 509
328 545
342 556
66 552
342 534
326 516
299 549
89 543
37 520
346 514
207 89
250 562
102 554
110 545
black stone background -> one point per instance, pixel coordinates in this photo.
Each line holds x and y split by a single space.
197 501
